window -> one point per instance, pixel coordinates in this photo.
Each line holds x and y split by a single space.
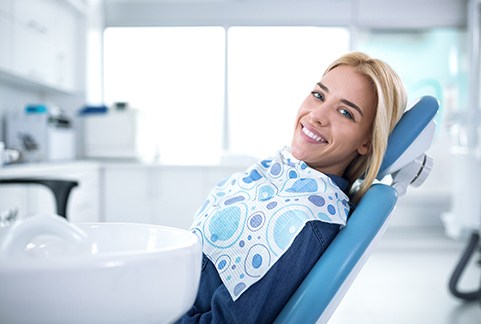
177 78
428 61
270 72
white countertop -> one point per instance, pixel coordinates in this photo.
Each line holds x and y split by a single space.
32 169
38 168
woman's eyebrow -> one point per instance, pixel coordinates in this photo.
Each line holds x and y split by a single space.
353 105
347 102
322 86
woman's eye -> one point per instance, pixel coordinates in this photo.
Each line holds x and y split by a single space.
346 113
317 95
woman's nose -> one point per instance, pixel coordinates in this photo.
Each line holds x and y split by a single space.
320 114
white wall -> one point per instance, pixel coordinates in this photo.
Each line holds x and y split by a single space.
361 13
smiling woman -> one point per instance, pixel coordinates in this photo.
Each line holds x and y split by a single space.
263 229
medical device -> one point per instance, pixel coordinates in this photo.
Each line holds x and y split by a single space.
41 133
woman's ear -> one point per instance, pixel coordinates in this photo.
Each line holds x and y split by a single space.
364 148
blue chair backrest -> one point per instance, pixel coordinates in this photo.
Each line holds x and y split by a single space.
403 138
324 287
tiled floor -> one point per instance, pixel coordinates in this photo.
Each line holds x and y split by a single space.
406 281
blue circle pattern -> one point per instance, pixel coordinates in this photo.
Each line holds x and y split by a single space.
224 227
223 263
286 227
253 217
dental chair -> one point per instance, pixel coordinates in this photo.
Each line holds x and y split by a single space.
406 163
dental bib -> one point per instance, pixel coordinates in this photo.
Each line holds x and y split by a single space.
250 220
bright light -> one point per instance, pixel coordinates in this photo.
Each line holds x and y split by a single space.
175 76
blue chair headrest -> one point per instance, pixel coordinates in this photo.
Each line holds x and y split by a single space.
413 122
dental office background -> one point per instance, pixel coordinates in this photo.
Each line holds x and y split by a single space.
195 90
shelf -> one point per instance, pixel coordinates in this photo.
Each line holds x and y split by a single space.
79 5
11 78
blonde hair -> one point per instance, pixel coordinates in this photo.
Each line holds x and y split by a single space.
391 103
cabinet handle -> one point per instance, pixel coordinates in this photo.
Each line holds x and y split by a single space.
37 26
34 74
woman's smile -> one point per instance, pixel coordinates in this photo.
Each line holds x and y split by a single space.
313 135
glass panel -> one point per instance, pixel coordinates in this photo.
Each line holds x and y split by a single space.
175 77
430 62
270 72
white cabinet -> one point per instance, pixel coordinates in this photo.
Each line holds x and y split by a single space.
33 53
116 192
5 41
84 201
46 37
181 191
67 37
6 7
165 195
150 194
5 34
127 192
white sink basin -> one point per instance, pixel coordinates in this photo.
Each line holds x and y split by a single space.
55 272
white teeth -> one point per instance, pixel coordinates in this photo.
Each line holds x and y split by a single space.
312 135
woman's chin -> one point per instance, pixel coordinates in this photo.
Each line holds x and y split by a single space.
298 153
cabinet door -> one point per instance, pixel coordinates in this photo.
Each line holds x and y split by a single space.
84 201
14 197
180 194
43 43
66 37
5 42
128 194
6 7
33 55
167 196
183 190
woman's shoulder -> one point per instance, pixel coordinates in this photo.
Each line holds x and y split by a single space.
323 232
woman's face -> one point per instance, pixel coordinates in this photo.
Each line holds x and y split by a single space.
333 124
